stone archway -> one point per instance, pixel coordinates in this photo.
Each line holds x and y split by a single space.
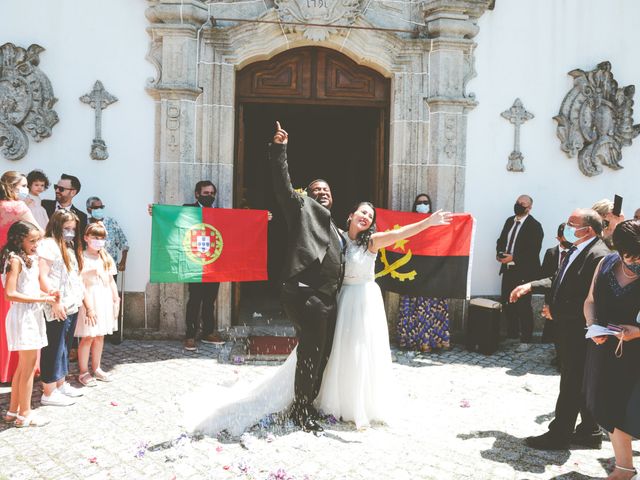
197 59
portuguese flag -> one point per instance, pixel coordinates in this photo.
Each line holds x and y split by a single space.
195 245
433 263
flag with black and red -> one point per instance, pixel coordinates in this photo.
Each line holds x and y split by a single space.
434 263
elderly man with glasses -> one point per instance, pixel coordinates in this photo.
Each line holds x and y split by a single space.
66 189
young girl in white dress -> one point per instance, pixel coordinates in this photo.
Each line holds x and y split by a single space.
99 313
357 379
26 330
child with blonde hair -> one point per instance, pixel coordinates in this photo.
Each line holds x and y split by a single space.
25 325
98 317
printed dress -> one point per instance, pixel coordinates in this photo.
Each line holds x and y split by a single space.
423 323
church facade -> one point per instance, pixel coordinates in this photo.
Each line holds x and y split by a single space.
388 98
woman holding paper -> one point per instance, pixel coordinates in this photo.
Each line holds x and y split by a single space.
612 372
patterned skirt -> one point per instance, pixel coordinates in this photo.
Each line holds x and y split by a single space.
423 323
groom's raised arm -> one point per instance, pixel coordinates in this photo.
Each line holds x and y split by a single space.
287 197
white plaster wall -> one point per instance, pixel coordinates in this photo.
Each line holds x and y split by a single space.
525 49
85 41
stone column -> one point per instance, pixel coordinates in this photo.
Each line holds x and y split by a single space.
450 27
174 34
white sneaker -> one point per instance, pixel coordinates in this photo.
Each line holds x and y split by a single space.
70 391
57 399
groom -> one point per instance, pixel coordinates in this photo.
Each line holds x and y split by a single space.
312 276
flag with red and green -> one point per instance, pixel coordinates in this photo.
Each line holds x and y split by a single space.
196 245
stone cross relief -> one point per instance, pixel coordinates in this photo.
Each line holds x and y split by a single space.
98 99
516 115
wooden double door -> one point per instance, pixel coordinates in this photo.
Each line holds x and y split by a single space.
337 114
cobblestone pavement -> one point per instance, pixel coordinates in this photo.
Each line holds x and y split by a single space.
461 415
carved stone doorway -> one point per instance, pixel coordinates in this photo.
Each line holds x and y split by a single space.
336 113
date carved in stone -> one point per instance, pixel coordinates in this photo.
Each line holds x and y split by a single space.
98 99
26 100
332 13
596 120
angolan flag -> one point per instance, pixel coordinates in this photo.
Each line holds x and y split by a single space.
193 244
433 263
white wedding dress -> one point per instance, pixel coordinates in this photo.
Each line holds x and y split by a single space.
356 385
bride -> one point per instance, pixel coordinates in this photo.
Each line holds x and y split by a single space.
357 380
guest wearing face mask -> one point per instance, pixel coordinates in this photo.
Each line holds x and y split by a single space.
612 373
423 322
518 252
202 296
60 263
13 187
117 245
553 259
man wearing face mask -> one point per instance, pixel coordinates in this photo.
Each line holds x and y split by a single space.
518 252
552 260
202 296
569 288
117 245
66 189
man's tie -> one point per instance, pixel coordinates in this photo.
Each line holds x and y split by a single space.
513 237
561 270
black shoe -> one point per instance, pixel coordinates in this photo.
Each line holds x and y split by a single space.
546 441
593 441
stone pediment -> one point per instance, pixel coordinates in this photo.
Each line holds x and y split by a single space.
321 18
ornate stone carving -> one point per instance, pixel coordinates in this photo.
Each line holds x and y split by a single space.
336 13
98 99
26 100
516 115
596 120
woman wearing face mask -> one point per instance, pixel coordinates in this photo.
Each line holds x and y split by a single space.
423 322
612 370
60 263
13 190
98 316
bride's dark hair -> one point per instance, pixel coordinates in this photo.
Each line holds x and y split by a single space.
362 238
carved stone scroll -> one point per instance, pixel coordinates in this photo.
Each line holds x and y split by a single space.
26 100
98 99
335 13
596 120
516 115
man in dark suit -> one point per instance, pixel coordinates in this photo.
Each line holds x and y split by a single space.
552 260
202 296
66 189
518 251
569 288
312 275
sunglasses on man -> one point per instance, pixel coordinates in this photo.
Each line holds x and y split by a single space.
60 188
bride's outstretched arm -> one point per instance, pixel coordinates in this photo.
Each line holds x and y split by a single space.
384 239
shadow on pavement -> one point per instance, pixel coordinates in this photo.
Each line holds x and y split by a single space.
512 451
